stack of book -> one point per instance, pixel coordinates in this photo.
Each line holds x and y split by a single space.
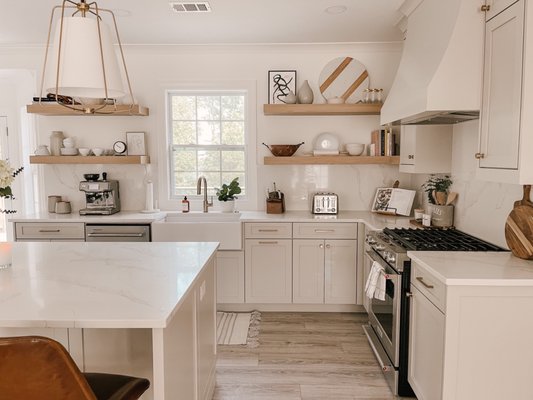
383 143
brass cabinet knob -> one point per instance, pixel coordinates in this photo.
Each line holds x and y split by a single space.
485 7
479 155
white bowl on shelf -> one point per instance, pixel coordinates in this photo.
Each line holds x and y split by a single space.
69 151
84 151
97 151
326 142
355 149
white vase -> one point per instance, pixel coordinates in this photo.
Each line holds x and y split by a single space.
305 94
227 206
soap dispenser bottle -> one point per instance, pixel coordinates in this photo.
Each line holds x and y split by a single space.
185 205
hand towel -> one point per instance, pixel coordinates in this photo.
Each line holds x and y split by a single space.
376 271
381 284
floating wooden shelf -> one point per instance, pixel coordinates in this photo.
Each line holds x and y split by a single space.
342 160
54 109
89 160
322 109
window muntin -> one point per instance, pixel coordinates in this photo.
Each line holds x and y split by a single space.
207 137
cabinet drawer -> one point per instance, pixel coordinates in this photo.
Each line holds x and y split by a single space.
50 231
258 230
334 230
432 288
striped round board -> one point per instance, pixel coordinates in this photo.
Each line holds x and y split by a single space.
519 227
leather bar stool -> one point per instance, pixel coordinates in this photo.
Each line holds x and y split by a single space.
39 368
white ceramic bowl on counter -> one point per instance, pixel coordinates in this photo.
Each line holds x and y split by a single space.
355 149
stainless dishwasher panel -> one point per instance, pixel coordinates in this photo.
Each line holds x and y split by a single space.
117 233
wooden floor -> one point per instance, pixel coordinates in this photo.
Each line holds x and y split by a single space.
307 356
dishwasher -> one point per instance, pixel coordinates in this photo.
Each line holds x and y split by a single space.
117 233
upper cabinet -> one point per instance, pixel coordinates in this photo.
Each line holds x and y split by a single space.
494 7
506 126
426 149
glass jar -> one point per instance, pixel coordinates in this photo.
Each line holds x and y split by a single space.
366 96
56 142
379 96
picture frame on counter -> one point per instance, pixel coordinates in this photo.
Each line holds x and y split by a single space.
136 143
280 84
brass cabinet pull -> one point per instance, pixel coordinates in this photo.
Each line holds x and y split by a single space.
324 230
320 246
421 280
479 155
411 157
272 242
485 7
49 230
328 246
268 230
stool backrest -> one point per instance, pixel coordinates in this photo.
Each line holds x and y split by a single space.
34 367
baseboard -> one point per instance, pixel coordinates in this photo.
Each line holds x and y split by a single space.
246 307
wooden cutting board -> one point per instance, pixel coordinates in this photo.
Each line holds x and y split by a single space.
519 227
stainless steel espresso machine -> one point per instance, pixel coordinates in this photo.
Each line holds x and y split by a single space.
101 197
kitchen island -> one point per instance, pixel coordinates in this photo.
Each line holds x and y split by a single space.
144 309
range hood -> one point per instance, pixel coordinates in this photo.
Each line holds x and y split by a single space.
440 73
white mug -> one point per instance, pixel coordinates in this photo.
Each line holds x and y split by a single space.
426 219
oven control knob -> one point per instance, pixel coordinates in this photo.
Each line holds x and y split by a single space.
391 258
379 247
370 240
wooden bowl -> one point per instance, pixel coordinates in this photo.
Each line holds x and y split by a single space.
283 150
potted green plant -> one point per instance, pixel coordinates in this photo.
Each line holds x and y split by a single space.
227 194
437 188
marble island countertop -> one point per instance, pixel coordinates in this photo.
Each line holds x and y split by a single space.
98 285
476 268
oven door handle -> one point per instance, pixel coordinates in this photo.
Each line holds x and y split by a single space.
373 256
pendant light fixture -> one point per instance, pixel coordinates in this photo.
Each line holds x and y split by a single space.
83 73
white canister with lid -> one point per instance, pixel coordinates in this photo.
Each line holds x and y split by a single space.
56 142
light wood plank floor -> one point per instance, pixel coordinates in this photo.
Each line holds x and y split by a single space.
303 356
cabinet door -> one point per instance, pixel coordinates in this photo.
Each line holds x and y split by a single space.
426 347
426 149
502 89
340 271
496 7
308 271
268 270
230 277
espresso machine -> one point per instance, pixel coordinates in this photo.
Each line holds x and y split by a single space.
101 197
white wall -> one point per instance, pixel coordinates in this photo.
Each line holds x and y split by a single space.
482 207
156 68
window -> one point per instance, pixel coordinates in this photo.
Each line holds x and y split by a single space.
207 137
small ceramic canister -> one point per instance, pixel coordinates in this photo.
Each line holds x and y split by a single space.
52 200
63 207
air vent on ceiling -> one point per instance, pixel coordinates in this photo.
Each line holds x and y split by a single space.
191 7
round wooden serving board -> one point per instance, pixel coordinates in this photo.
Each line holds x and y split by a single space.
519 227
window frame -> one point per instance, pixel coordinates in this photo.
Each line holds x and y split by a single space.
172 147
164 164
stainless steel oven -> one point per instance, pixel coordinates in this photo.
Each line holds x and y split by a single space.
385 322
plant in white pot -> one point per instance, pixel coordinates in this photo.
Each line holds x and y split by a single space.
227 194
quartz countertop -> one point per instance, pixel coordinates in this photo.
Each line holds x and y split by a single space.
372 220
476 268
122 217
98 285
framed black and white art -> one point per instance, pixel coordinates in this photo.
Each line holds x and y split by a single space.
280 84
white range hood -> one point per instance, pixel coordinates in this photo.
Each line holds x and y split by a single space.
440 73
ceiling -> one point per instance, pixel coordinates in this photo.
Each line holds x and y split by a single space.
231 21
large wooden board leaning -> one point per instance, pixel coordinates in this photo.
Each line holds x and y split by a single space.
519 227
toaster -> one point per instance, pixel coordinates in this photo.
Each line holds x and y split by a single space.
325 203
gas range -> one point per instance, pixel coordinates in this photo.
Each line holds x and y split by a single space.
392 244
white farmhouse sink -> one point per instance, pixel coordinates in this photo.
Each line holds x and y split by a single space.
200 227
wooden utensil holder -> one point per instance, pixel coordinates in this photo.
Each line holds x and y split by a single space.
275 206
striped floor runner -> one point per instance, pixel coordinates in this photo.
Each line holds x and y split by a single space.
232 328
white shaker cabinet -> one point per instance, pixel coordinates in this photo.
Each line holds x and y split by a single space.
324 269
268 262
494 7
230 277
506 137
426 149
